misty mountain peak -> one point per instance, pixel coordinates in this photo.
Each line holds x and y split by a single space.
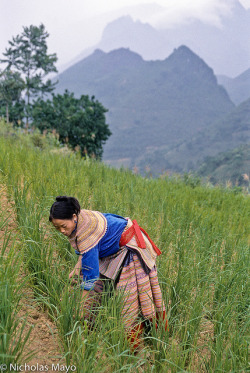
124 32
225 48
121 21
185 60
184 53
123 57
124 23
98 53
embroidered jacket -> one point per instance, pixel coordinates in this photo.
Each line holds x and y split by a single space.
97 236
97 239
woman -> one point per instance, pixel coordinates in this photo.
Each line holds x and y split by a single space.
110 246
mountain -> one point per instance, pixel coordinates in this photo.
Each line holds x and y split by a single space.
152 104
137 36
221 136
224 46
237 88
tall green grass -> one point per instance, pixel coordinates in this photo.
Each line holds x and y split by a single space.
203 270
14 331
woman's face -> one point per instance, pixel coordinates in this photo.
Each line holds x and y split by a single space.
65 226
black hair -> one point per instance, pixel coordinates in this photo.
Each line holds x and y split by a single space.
64 208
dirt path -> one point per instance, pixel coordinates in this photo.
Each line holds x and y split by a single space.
44 339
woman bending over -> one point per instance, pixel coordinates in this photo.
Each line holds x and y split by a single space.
110 246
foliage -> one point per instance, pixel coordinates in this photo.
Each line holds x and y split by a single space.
11 86
191 180
15 331
79 122
32 138
28 55
203 270
16 111
228 166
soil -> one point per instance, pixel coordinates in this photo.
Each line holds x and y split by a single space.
44 342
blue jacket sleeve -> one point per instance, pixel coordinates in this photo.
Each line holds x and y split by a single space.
90 268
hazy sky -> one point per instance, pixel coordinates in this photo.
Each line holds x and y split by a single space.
74 25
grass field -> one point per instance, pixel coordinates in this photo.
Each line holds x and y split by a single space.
202 231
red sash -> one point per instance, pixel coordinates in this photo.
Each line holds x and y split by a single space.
135 230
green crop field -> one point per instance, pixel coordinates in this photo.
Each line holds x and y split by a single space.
203 233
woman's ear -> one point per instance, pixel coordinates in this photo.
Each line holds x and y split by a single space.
75 218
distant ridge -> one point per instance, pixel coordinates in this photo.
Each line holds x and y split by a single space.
238 88
226 134
152 104
224 47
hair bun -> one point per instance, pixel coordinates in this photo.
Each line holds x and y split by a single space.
62 199
65 210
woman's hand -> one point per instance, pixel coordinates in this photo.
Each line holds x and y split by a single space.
74 273
76 270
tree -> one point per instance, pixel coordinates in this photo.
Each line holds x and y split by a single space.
28 55
79 122
11 86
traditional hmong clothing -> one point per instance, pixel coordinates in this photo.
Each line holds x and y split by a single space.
120 250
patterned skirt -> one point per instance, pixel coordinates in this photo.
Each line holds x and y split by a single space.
141 294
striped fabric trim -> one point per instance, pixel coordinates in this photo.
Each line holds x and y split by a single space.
142 298
148 255
142 293
110 265
91 227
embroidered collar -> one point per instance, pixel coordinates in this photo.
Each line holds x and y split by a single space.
91 227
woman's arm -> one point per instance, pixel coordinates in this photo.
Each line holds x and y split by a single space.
77 268
76 272
88 264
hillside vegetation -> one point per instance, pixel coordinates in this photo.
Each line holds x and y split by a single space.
231 167
203 269
152 104
223 135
